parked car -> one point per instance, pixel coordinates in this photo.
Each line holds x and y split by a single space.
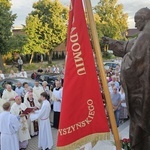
50 79
108 65
13 82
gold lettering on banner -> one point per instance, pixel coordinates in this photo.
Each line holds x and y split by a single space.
82 124
77 53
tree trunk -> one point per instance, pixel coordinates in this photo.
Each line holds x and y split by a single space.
1 63
32 55
50 57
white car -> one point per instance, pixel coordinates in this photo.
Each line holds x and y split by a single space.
108 65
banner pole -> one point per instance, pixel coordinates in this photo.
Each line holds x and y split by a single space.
102 73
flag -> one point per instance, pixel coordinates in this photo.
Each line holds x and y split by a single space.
83 117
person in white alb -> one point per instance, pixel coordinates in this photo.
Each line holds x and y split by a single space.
23 134
9 126
9 95
45 140
57 98
37 90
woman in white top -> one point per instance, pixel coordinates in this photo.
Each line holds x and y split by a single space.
12 74
45 87
2 75
123 110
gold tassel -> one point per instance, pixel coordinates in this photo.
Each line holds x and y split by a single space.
93 138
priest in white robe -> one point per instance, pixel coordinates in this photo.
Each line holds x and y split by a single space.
9 95
9 126
23 134
37 90
57 99
31 102
45 140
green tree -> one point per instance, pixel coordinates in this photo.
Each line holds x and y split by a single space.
113 21
6 22
50 26
17 43
34 40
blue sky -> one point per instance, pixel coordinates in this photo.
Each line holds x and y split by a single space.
23 7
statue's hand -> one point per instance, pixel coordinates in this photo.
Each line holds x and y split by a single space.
118 52
106 40
116 46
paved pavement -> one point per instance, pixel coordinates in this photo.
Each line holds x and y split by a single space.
101 145
33 143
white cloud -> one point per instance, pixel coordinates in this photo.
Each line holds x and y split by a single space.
132 6
23 7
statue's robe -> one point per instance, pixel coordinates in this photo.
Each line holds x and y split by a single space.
135 77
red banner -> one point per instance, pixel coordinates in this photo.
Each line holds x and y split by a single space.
83 117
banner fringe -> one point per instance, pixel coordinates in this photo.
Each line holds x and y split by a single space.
93 138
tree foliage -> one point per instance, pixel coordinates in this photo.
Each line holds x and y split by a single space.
46 26
34 39
6 22
113 22
17 43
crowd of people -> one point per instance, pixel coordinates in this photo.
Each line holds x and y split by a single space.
55 69
17 125
117 94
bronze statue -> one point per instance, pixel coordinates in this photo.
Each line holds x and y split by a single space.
135 77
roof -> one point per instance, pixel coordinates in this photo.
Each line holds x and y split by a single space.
17 27
17 30
132 32
60 48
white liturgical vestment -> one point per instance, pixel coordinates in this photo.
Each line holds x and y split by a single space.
7 95
57 104
45 134
37 91
9 126
23 131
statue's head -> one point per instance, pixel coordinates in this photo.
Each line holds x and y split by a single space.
141 18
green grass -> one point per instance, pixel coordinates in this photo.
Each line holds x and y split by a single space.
33 66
